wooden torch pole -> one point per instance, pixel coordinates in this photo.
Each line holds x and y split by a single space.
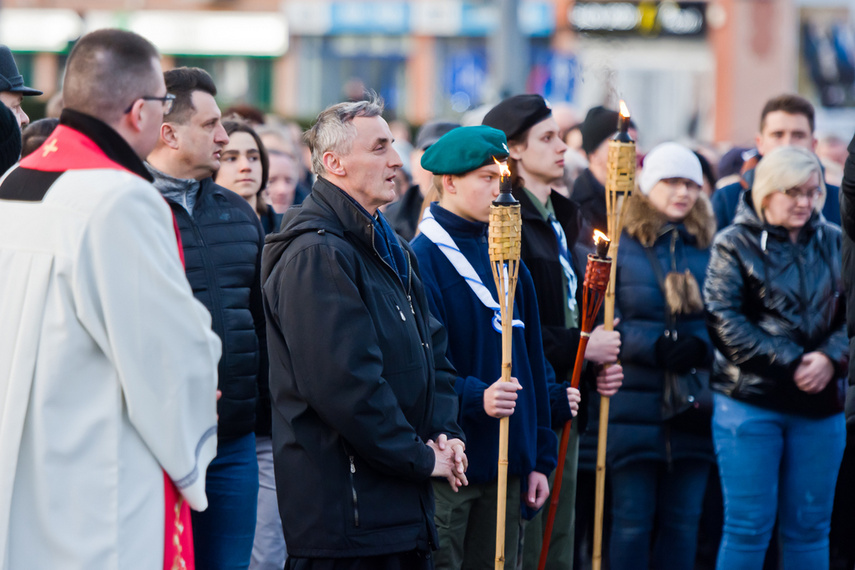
504 245
620 182
597 273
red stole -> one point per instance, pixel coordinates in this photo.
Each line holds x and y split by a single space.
178 543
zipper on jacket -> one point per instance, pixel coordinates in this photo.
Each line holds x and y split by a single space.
409 287
353 492
410 283
800 262
210 270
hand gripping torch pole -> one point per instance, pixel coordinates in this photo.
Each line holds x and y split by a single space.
597 275
504 245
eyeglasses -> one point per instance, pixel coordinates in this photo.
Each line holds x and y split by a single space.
167 100
796 193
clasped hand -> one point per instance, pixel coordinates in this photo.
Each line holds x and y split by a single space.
814 373
450 460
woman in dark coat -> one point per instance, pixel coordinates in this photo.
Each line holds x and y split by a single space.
776 317
659 467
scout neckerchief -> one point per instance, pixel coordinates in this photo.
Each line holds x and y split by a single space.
564 256
437 234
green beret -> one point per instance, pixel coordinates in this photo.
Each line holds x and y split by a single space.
465 149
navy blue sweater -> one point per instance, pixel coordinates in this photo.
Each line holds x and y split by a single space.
475 350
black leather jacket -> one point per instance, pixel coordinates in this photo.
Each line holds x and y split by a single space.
768 302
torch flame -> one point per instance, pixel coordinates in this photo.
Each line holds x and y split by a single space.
624 111
600 236
503 167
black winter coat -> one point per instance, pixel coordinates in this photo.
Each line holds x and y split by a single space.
222 242
637 431
540 254
591 197
768 302
359 382
847 220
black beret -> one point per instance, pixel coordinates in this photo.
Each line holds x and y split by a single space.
517 114
465 149
430 133
599 124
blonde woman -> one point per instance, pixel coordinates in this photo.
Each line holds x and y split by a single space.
774 312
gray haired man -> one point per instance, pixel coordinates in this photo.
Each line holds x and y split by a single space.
362 392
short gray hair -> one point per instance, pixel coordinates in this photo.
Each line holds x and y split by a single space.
334 130
784 168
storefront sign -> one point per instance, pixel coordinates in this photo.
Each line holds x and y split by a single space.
645 18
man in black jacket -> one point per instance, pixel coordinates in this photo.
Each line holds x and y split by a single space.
785 120
364 412
222 240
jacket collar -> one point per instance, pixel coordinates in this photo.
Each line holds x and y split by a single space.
588 187
566 212
457 226
747 216
354 218
108 140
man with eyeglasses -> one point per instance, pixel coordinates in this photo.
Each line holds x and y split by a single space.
223 239
107 362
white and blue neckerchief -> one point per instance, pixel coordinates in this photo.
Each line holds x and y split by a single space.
441 238
564 256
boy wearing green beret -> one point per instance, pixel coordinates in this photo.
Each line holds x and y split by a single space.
455 267
551 225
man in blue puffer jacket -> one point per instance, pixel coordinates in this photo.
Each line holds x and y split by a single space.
785 120
222 241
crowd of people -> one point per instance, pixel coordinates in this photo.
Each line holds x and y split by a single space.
229 344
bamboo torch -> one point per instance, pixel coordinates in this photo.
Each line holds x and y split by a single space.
620 182
597 274
504 244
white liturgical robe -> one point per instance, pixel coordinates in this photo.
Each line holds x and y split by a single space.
108 375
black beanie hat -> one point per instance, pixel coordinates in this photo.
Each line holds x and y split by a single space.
517 114
599 124
10 139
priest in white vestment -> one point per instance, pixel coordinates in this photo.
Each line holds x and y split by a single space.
108 365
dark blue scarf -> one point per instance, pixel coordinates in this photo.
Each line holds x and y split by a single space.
389 248
385 242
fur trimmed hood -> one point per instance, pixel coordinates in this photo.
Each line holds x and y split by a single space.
645 223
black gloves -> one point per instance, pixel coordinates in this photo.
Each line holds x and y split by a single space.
682 354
